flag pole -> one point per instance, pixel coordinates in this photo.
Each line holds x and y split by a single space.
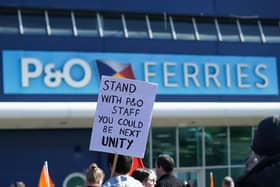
47 174
211 179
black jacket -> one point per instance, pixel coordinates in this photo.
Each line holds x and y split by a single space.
169 181
265 174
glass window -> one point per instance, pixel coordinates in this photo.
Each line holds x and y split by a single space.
190 146
190 177
206 29
34 22
250 30
271 31
86 24
9 22
160 27
216 145
60 23
236 172
240 139
164 142
229 30
112 25
184 28
254 128
136 26
218 175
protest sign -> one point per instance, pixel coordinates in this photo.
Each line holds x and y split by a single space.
123 116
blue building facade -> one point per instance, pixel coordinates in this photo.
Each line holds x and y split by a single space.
216 64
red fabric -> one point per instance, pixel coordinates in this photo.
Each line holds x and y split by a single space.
136 163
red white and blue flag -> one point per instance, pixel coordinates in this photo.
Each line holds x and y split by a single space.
114 69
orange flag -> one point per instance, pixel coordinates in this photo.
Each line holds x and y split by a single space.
136 163
211 180
45 179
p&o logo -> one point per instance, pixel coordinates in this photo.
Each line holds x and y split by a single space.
32 68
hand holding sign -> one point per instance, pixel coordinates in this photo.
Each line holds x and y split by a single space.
123 116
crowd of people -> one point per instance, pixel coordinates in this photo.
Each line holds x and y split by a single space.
140 177
262 167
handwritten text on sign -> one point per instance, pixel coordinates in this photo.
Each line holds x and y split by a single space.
123 116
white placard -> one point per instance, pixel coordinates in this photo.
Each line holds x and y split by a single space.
123 116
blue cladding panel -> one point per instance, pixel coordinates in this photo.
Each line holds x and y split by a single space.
23 154
260 8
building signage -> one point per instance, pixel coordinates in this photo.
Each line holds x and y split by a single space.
61 72
123 116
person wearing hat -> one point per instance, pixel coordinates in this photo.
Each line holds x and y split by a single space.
263 165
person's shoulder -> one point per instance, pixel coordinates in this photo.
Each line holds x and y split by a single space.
133 182
123 180
113 181
179 182
170 180
263 174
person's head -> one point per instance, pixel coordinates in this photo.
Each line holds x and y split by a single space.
123 164
266 141
227 182
20 184
152 178
94 176
145 176
164 165
188 183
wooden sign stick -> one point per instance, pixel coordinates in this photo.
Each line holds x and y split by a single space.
114 165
